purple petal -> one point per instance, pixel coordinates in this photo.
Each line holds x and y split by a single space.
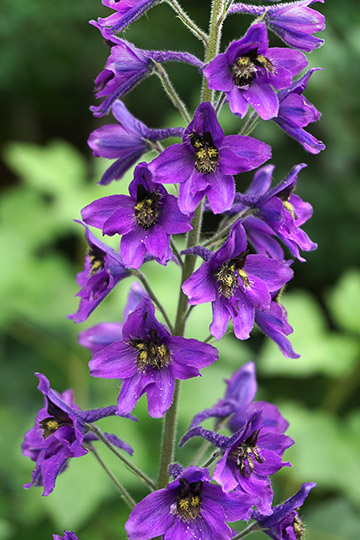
160 394
221 192
201 286
263 99
97 212
218 74
132 248
273 273
116 361
99 336
221 317
173 165
151 517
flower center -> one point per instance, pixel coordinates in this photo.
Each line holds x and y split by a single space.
189 500
298 527
206 153
51 424
245 453
228 274
245 68
151 352
289 207
146 207
96 260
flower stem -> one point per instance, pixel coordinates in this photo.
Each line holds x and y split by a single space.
218 15
140 276
211 459
176 253
126 462
251 528
189 23
124 493
220 234
171 92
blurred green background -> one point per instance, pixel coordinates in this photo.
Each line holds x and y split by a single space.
49 58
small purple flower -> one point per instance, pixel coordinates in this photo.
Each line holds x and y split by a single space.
146 219
149 359
103 270
249 69
206 160
284 523
274 324
126 67
126 142
189 508
127 11
296 23
236 283
296 112
59 433
250 456
68 535
238 404
103 334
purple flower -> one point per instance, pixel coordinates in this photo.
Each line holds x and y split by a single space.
146 219
236 283
295 23
126 67
103 334
274 324
126 142
68 535
296 112
284 523
250 456
103 270
238 404
249 69
59 433
189 508
149 359
206 160
127 11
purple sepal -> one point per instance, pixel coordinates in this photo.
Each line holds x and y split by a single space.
205 162
127 11
166 358
296 112
58 434
266 69
103 270
284 522
68 535
113 439
189 507
126 67
204 253
236 283
126 141
296 23
146 219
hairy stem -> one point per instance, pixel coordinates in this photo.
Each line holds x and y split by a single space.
218 15
124 493
140 276
126 462
189 23
251 528
171 92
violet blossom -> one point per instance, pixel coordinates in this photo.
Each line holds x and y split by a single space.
146 219
249 69
68 535
249 457
103 270
236 283
190 507
284 523
59 433
148 360
126 141
205 162
296 112
127 11
127 66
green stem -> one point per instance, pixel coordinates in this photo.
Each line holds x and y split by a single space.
250 124
153 297
171 92
189 23
126 462
124 493
216 22
220 102
176 253
226 229
211 459
251 528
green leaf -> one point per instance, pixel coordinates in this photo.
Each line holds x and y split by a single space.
321 350
344 301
